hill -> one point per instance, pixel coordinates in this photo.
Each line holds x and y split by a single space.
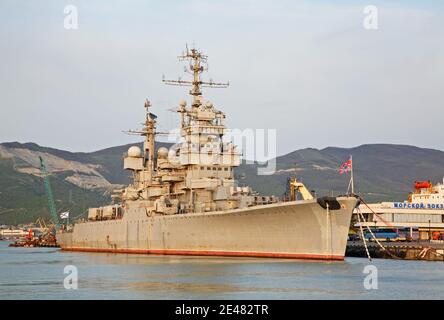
382 172
80 180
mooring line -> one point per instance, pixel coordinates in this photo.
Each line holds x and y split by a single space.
362 235
373 235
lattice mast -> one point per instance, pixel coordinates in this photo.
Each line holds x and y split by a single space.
198 64
149 132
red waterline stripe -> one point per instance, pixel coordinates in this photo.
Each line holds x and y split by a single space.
213 253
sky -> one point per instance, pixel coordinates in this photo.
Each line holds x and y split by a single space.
308 69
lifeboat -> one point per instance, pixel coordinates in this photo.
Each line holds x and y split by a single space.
423 184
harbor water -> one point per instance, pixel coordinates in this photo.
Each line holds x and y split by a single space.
38 273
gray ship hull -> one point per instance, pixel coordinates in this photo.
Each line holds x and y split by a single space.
299 229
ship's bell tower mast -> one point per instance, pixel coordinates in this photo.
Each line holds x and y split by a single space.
198 64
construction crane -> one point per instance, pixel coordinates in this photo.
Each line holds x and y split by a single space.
296 186
51 203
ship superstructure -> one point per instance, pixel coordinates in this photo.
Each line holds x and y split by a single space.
426 195
185 200
197 174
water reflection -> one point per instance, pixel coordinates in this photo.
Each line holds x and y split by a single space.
30 273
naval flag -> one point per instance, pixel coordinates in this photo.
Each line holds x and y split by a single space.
345 167
64 215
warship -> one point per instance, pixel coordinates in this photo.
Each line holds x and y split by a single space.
185 201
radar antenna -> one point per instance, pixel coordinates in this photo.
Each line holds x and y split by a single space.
198 64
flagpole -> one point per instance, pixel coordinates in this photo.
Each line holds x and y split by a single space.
352 181
349 185
346 168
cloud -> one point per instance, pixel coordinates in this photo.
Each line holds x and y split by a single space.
306 68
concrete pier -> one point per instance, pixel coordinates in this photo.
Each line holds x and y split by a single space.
424 250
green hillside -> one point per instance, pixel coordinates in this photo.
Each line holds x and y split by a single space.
382 172
23 198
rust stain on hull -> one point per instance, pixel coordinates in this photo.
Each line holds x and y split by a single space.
213 253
